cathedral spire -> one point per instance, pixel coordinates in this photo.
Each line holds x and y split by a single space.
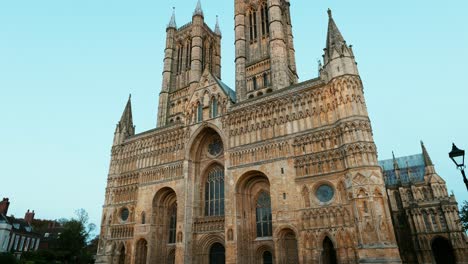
198 9
338 57
334 37
427 158
172 22
125 126
217 30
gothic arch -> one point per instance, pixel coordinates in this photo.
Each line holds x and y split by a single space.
288 245
195 139
164 217
442 250
204 245
141 251
249 188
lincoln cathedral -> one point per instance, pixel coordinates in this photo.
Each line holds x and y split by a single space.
271 171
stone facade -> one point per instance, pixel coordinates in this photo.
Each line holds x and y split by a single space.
425 216
275 172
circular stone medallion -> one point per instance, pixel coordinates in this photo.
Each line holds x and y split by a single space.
325 193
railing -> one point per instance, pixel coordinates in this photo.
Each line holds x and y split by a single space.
122 231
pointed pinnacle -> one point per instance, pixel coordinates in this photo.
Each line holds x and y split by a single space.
427 158
395 162
198 9
334 36
172 22
329 13
217 29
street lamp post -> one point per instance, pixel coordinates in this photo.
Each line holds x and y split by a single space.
458 157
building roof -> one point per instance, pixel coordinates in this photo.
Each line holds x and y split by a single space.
19 226
412 170
226 89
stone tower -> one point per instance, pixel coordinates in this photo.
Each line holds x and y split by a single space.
265 56
190 50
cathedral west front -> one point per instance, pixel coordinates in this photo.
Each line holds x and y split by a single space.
272 171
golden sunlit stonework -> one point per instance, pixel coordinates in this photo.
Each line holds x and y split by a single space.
274 172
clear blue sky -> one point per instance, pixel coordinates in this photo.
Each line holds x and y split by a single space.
67 67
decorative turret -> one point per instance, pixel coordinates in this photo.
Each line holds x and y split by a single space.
125 127
427 160
217 30
338 57
198 9
172 22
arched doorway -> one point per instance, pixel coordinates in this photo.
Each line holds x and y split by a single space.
253 203
217 254
122 255
288 244
141 251
164 217
329 252
267 257
442 251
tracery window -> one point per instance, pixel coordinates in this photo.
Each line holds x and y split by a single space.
214 192
172 224
263 215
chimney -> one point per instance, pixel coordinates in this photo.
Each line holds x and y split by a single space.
29 216
4 204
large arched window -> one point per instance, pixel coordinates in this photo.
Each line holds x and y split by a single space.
214 192
172 224
263 215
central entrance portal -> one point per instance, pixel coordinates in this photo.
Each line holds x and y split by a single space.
217 254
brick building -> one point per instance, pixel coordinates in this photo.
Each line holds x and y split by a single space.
17 235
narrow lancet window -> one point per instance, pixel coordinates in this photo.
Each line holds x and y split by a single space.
263 215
